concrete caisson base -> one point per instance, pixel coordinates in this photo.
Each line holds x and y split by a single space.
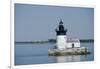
68 51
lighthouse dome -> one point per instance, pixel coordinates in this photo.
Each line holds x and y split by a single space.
60 30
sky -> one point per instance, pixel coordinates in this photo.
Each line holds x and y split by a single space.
38 22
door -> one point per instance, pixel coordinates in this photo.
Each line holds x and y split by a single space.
72 45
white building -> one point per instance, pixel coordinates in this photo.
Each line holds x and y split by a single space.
65 45
63 41
73 42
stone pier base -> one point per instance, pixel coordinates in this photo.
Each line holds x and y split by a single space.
68 51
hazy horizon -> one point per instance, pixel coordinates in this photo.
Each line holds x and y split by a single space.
38 22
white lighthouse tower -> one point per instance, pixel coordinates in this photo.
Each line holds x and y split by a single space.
65 45
61 37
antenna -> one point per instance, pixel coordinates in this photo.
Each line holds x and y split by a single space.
61 22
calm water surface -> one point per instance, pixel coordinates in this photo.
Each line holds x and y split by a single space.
26 54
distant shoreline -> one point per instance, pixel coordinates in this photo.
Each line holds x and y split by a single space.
87 40
53 41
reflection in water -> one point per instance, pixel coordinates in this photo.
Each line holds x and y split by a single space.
73 58
38 54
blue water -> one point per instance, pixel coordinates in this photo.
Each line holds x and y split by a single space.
26 54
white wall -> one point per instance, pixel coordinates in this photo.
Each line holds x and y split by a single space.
69 45
61 41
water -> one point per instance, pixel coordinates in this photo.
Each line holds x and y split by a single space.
26 54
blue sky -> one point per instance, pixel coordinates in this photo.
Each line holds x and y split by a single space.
38 22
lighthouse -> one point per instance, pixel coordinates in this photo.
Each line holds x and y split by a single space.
61 38
65 45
